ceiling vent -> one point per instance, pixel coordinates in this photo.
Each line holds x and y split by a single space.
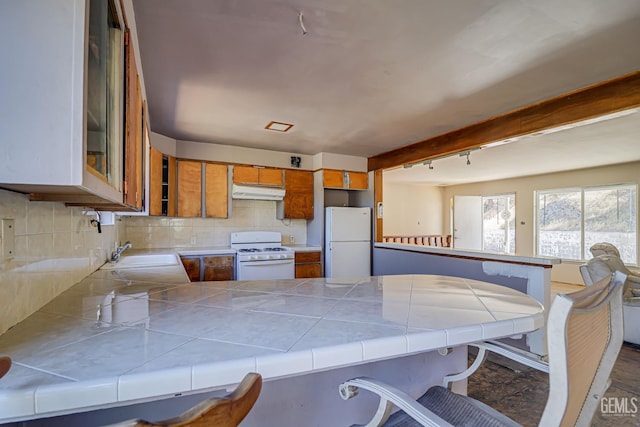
278 126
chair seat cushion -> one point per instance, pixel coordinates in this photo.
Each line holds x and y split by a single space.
456 409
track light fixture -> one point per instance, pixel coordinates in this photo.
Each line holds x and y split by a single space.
466 153
429 162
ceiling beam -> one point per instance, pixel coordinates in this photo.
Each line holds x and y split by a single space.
611 96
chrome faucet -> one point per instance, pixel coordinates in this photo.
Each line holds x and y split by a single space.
115 255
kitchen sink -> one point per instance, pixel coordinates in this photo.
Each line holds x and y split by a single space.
143 261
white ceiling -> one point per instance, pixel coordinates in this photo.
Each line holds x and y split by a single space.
373 75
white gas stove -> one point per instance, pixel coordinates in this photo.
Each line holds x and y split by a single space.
261 256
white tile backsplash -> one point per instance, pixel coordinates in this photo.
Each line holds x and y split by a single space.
54 249
162 232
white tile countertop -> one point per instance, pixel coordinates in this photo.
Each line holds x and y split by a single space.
305 248
124 336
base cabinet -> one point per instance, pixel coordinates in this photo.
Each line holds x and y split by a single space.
208 268
192 267
308 264
218 268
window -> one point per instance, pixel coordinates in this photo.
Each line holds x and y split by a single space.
570 221
498 223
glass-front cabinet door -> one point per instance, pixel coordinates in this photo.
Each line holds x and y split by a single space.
104 101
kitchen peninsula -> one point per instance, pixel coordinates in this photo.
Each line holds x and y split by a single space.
125 341
528 274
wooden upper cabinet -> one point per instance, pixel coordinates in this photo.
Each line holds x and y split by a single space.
257 176
358 180
134 131
347 180
189 188
272 177
298 197
172 184
155 182
216 190
162 184
245 175
332 178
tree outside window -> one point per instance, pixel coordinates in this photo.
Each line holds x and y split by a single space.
570 221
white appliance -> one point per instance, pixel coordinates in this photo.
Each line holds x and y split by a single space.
347 242
256 193
261 256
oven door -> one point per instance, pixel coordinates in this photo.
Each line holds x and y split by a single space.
266 270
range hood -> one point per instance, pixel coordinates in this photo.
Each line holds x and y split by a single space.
256 193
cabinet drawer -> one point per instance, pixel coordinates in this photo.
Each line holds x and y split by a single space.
307 257
219 261
304 271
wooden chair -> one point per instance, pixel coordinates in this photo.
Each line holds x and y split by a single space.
225 411
584 331
5 365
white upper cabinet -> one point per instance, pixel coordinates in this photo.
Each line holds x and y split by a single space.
62 103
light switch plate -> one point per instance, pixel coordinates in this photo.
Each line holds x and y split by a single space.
8 238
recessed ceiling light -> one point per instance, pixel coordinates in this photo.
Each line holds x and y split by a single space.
278 126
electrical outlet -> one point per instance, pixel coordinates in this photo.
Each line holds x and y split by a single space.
292 239
193 240
8 238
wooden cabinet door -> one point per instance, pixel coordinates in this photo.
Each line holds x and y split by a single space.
218 268
246 175
134 130
189 188
308 264
332 178
171 208
251 175
216 190
271 177
304 271
155 182
298 196
358 180
192 267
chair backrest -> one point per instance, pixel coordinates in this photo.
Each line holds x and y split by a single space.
602 266
5 365
584 331
604 248
225 411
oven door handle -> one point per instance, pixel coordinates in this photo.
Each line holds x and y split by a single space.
265 263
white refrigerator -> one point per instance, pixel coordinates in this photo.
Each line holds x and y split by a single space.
347 242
